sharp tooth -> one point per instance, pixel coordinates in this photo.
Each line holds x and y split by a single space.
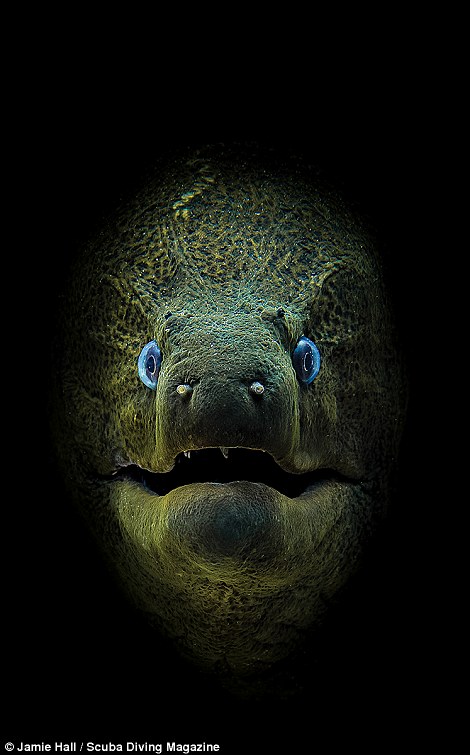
224 452
187 454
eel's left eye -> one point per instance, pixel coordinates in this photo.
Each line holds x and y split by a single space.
306 360
149 363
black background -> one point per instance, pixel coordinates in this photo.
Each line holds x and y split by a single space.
77 663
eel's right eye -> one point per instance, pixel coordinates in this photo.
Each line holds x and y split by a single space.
306 359
149 363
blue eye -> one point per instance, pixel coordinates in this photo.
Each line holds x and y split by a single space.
306 360
149 363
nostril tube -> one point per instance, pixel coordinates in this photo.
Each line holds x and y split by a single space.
256 388
184 390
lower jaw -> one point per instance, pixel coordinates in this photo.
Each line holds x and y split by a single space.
234 519
235 574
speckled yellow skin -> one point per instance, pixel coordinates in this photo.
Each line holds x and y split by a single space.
226 258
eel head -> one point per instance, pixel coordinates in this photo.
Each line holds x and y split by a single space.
229 402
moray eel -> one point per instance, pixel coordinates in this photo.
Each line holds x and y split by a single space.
228 402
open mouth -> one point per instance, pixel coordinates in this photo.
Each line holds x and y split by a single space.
223 465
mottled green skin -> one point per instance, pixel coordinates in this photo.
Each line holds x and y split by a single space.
226 259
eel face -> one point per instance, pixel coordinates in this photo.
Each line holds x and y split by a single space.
228 402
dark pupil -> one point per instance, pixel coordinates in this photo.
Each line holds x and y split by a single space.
308 361
151 364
